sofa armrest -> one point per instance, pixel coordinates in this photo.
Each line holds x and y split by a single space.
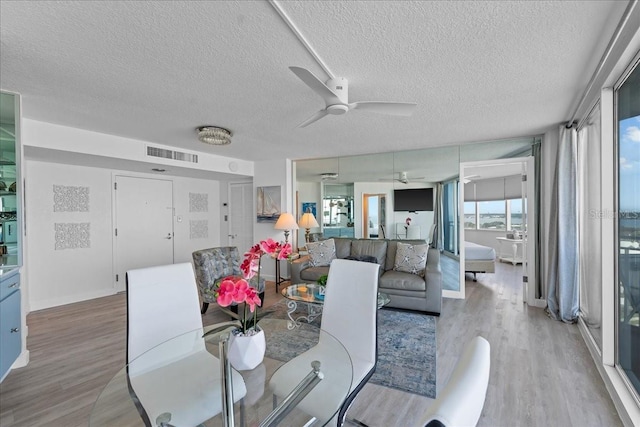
297 265
433 278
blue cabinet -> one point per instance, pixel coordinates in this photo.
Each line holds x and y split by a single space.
10 334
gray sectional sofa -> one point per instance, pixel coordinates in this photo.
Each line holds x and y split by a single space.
406 290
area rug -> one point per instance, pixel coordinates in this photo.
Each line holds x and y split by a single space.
406 347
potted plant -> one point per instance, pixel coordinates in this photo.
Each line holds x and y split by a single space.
246 343
322 280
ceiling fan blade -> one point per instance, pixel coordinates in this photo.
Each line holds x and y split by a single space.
317 116
317 85
393 108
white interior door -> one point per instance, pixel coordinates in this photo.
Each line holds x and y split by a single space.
143 224
241 214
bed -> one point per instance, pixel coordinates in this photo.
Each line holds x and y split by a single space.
479 259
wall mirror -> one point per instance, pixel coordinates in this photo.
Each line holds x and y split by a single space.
373 179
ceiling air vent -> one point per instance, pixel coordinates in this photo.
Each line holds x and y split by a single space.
170 154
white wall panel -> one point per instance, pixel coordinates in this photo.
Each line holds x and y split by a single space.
63 276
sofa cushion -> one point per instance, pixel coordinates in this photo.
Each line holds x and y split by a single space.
363 258
411 258
403 281
312 274
375 248
322 252
343 247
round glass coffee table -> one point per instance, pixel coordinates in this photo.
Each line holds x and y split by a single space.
312 295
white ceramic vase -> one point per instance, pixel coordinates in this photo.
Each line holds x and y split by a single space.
246 353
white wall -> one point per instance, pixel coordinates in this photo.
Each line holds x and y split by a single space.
49 136
57 277
267 174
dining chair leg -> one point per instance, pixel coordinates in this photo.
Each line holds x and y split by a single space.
205 306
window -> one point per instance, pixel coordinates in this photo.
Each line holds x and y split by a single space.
515 215
628 220
492 215
470 220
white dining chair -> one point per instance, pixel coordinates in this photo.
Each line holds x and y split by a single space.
179 385
413 232
461 401
350 315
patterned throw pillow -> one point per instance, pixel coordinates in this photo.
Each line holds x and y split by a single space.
321 253
411 258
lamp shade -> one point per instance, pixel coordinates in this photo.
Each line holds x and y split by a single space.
308 221
286 221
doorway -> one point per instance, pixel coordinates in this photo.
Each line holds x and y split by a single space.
241 211
497 205
374 216
143 234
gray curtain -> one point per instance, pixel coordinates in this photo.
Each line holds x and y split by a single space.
562 280
590 224
438 238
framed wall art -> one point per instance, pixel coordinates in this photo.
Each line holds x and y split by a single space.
268 204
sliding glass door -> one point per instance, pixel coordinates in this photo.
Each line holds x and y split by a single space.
628 220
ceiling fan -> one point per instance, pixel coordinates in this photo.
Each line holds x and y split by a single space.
404 178
335 93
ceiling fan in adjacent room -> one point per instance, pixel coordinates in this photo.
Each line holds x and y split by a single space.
335 93
404 178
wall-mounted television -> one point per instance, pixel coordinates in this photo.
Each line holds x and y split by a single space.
413 199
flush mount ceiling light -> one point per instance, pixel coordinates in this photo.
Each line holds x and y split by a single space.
329 176
214 135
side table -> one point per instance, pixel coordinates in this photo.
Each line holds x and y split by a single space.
279 278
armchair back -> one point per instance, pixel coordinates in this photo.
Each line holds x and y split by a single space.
213 264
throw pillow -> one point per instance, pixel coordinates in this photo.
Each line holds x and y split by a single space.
321 253
411 258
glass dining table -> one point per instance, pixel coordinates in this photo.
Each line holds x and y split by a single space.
162 388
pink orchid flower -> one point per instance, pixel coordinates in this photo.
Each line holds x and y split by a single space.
285 251
269 246
226 292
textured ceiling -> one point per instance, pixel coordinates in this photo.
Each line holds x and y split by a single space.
481 70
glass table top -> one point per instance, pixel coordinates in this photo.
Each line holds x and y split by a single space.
163 378
305 292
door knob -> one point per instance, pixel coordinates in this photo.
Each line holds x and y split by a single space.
168 236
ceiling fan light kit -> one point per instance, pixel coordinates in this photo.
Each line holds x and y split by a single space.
214 135
335 93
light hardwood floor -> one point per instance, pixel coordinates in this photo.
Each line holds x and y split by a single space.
541 372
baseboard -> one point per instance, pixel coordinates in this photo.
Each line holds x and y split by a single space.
70 299
22 360
451 294
539 303
625 404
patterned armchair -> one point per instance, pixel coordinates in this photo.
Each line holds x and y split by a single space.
213 264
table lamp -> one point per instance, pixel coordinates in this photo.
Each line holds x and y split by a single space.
286 222
308 221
